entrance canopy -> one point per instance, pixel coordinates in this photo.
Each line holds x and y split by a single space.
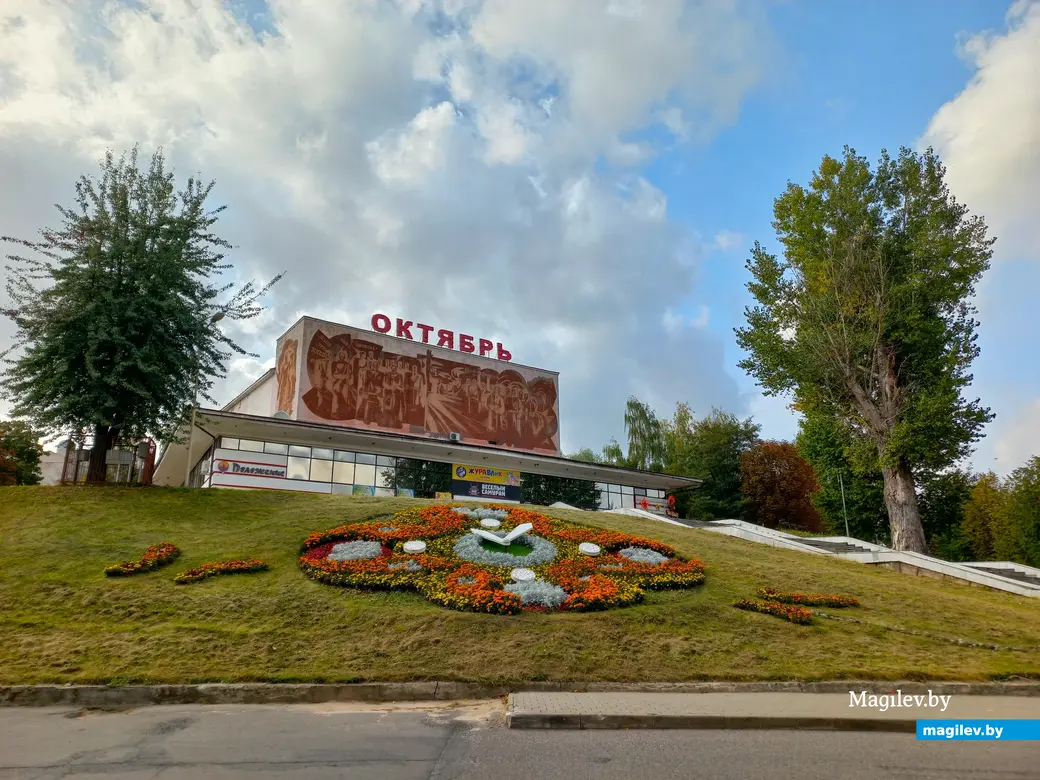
212 424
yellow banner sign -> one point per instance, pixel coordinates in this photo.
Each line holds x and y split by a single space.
485 475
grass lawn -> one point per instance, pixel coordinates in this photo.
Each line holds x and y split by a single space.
62 621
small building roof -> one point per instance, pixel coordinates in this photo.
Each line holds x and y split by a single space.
212 423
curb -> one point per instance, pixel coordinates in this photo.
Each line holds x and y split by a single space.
104 696
704 722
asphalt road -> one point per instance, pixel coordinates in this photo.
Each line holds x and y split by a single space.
331 741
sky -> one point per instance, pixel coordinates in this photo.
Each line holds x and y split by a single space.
580 180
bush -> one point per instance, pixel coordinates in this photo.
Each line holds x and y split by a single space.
787 611
808 599
207 570
155 556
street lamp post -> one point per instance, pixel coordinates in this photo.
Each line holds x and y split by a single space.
195 407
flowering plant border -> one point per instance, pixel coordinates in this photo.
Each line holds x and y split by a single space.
154 557
790 612
808 599
207 570
443 577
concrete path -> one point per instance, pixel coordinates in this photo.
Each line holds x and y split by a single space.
454 741
746 711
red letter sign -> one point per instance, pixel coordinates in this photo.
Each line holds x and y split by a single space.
381 323
402 328
485 347
504 354
465 343
425 332
446 339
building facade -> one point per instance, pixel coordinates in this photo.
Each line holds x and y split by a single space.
342 405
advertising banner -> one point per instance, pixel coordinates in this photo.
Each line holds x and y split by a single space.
406 492
443 494
657 506
484 483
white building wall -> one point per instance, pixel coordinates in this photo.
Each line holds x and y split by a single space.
260 401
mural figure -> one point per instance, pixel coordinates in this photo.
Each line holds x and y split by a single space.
286 377
358 382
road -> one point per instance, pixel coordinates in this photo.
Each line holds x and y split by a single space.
312 742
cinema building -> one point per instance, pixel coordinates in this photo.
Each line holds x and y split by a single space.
343 404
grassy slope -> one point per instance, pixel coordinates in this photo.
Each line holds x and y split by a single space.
62 621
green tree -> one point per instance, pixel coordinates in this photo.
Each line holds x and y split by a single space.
425 477
985 515
868 315
847 489
543 490
21 446
614 455
943 499
588 455
711 450
114 310
678 433
646 442
1017 538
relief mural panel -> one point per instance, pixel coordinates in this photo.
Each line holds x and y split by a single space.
360 379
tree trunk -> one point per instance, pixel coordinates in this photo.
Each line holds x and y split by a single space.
904 517
97 466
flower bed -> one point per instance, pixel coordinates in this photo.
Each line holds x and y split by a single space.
458 572
790 612
808 599
155 556
207 570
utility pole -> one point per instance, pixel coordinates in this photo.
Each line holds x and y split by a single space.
195 407
844 512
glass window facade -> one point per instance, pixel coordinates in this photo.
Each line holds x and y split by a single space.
321 470
343 469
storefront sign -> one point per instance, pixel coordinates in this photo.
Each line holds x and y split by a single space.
445 338
485 483
249 469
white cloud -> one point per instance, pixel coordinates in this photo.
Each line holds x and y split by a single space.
989 135
405 156
1017 440
729 241
439 161
674 322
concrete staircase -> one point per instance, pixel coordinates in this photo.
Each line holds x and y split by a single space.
999 575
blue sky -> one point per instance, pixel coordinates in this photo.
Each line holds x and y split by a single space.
870 75
401 156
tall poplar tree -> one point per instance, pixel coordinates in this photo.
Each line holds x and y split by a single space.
868 315
115 309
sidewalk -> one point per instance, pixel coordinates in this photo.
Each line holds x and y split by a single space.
806 711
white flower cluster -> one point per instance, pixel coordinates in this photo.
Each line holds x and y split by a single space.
409 565
355 551
482 514
643 555
468 548
538 593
